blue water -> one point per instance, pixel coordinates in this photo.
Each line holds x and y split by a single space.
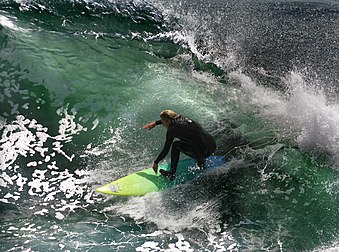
79 79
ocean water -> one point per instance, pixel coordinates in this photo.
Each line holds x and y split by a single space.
79 79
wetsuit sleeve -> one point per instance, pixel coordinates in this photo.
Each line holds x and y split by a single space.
159 122
167 146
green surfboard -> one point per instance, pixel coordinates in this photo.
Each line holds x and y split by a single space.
146 181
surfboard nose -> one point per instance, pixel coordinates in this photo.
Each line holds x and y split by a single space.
108 189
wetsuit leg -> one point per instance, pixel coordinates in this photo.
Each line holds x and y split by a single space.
177 147
205 153
181 146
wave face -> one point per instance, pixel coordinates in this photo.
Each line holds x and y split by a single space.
79 79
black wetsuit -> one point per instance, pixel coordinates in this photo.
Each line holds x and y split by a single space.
194 142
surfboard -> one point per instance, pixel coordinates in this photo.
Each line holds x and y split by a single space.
146 181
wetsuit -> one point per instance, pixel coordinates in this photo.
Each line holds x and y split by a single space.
194 141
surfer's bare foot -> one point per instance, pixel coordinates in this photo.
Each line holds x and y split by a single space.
167 174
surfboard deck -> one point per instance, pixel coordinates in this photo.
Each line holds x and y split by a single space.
146 181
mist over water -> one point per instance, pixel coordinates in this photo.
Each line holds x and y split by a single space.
79 79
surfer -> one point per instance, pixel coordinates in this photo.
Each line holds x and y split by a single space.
194 141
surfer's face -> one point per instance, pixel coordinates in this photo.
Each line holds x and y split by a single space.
166 123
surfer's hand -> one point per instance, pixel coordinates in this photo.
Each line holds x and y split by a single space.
150 125
155 168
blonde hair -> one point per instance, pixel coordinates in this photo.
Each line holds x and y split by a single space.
168 115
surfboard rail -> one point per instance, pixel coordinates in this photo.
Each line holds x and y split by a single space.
146 181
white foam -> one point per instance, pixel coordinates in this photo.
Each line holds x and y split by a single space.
2 182
148 246
5 22
305 115
26 137
9 195
13 228
173 221
38 187
6 179
154 208
95 123
59 216
180 245
67 125
154 234
334 247
21 181
4 200
32 164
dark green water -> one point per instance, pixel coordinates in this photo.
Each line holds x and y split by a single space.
79 79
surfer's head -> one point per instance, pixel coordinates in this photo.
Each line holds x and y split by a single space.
167 117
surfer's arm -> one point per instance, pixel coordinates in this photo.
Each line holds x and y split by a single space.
167 146
152 124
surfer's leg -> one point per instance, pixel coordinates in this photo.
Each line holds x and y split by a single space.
200 155
203 154
177 147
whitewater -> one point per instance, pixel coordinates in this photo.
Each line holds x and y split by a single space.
80 78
